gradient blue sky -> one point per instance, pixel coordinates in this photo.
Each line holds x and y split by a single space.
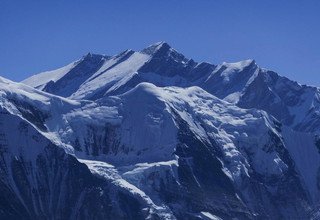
280 35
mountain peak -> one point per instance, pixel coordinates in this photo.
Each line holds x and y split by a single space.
154 48
241 64
90 56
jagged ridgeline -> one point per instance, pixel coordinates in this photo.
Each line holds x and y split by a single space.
155 135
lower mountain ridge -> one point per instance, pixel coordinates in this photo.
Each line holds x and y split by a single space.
151 152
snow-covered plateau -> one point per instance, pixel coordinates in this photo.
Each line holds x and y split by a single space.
152 134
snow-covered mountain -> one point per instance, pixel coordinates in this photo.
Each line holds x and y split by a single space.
244 83
154 135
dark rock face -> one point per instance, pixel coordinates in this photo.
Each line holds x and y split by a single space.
259 95
59 187
277 95
32 114
45 190
276 193
101 140
205 185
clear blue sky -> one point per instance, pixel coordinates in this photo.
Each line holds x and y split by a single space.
280 35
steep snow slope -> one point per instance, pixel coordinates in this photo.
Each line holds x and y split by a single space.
109 79
40 80
65 81
181 152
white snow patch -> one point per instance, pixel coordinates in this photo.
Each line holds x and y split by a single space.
41 79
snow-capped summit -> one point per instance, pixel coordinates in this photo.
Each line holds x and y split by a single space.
228 80
158 63
153 48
